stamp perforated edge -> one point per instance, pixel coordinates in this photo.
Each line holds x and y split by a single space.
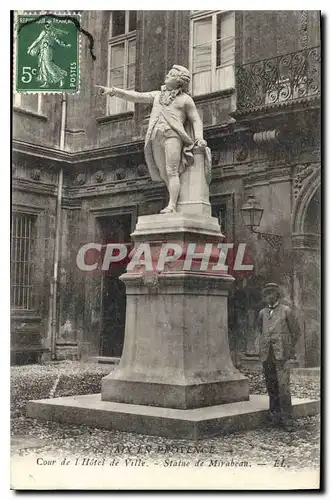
15 33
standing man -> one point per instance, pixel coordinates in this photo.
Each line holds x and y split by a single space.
278 333
175 128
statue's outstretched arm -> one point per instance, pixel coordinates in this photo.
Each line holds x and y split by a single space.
129 95
194 118
61 43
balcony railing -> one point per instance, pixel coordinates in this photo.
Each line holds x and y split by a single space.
278 80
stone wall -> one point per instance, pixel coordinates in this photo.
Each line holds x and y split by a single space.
265 34
34 193
39 128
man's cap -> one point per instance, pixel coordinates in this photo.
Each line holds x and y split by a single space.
271 287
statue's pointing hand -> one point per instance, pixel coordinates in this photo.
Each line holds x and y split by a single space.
105 90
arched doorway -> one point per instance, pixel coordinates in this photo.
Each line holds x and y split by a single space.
312 219
306 267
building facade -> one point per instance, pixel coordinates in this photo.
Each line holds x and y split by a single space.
79 176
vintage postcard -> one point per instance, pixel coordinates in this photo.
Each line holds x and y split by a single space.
165 250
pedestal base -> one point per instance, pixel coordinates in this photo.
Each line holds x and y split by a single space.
198 423
176 396
176 352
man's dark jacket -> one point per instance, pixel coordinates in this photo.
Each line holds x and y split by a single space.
280 328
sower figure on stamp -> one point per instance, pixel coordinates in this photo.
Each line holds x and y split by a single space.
278 333
175 128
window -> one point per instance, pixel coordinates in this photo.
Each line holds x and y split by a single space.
29 102
121 57
212 51
22 243
219 211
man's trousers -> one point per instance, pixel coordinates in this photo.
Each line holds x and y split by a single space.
277 377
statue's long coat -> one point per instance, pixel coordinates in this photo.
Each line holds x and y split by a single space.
185 133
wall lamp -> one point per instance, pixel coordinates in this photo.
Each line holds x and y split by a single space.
251 213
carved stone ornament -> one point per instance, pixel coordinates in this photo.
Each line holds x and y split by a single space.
215 157
151 280
35 174
120 174
304 28
267 137
100 176
80 179
301 173
241 153
142 170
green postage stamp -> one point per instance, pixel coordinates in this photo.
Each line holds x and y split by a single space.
47 53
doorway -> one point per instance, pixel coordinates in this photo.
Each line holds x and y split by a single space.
306 246
311 283
113 229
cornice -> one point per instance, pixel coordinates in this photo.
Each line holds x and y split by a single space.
27 112
276 174
108 152
46 152
270 110
212 96
127 115
87 155
221 130
34 187
113 188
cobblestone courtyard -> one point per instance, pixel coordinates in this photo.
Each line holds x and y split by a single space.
266 445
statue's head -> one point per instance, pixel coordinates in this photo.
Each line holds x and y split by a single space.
177 77
48 25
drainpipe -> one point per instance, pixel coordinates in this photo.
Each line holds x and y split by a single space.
52 322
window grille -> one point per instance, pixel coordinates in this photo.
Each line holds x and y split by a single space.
22 246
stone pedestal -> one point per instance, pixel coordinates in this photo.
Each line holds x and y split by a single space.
176 352
198 423
194 192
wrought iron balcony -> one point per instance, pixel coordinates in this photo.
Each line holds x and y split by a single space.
279 80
